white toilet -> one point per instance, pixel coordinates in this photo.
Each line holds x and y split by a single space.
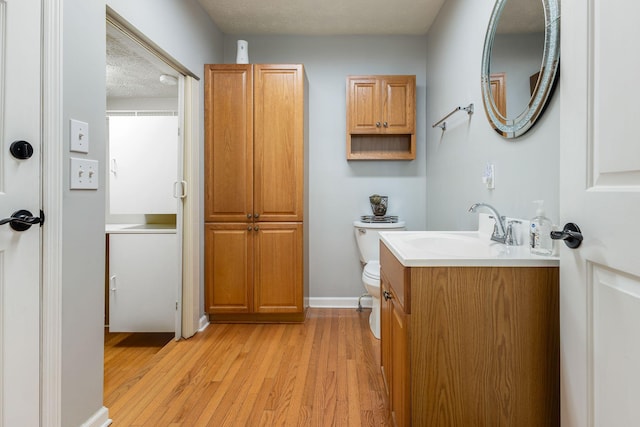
369 247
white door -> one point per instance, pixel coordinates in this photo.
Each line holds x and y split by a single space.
600 192
19 189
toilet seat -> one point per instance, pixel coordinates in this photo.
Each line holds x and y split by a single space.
372 270
371 273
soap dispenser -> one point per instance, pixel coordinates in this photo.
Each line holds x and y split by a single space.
540 233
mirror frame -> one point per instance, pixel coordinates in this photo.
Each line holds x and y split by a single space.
514 127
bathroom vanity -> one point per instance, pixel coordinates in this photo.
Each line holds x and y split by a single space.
468 339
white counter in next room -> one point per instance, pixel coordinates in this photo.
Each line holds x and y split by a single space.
469 331
142 277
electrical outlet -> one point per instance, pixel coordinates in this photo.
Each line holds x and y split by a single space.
489 176
79 136
84 174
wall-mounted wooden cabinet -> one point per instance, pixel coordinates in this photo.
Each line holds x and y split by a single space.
255 158
470 346
381 113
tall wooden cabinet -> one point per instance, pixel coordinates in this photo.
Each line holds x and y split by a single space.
255 192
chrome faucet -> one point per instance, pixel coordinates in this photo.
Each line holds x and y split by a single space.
499 231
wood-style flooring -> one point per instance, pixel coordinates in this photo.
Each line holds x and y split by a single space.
325 372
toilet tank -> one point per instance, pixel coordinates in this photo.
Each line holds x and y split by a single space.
368 239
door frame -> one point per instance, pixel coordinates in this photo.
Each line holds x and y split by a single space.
52 177
52 172
189 302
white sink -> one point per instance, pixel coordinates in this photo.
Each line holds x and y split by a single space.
457 248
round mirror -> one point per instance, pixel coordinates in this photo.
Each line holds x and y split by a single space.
520 63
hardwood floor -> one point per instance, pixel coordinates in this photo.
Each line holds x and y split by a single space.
325 372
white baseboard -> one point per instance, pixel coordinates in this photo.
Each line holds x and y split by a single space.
349 302
99 419
204 322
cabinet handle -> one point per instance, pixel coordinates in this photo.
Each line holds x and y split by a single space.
249 215
377 124
112 282
256 228
385 124
249 228
257 215
387 295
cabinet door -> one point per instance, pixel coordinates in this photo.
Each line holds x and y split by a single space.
279 142
228 143
363 105
278 268
143 274
400 403
143 165
385 332
398 104
228 267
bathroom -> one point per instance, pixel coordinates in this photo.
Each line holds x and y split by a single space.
432 192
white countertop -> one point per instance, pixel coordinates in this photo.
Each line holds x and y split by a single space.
140 228
459 249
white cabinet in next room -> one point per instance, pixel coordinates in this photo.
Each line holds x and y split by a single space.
143 273
143 156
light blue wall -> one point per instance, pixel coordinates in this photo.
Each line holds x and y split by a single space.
339 189
527 169
84 98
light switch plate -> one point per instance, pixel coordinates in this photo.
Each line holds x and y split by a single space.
84 174
79 136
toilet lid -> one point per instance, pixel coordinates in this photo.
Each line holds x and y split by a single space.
372 270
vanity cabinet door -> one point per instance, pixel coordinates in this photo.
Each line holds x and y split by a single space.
399 325
385 332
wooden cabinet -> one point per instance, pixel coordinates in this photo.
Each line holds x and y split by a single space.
381 117
394 357
470 345
254 270
255 189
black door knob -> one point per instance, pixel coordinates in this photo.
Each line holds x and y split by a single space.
21 150
23 220
571 235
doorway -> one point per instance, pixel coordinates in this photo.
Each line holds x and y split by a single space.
147 89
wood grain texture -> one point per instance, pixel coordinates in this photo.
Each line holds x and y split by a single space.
398 276
255 178
228 146
381 117
228 268
485 346
323 372
279 99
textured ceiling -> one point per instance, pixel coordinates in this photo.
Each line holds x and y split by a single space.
133 71
323 17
